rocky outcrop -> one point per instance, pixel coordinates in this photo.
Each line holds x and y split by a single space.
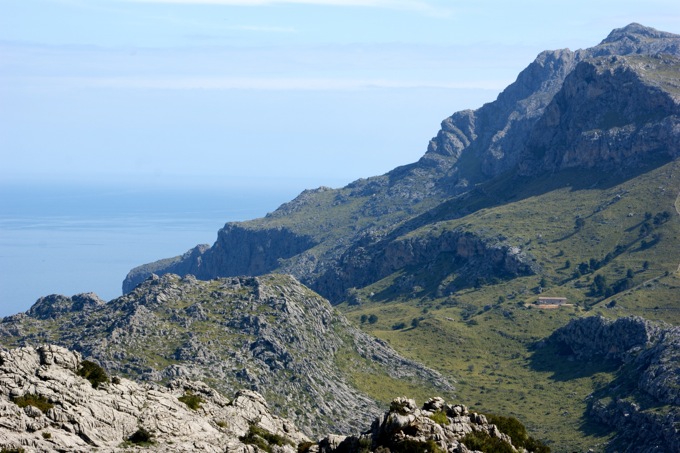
614 105
55 305
270 334
436 427
642 404
66 413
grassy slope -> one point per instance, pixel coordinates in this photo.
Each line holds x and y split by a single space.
484 337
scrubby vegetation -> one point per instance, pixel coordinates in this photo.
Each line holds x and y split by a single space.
415 446
264 439
482 441
93 373
440 417
141 437
192 400
31 399
518 433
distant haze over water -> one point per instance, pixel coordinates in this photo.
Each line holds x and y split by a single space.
74 239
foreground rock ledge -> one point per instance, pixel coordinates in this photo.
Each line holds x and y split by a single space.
69 413
83 418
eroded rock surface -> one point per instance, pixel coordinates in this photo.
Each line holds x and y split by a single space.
80 418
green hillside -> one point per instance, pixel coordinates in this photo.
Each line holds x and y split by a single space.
485 334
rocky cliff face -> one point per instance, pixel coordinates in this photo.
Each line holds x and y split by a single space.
237 251
471 255
642 404
492 139
270 334
46 406
611 112
612 105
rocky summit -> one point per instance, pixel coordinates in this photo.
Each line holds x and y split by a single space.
46 406
270 334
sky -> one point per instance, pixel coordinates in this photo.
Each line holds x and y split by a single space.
270 94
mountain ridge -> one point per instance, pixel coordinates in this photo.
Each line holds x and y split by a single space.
269 334
309 236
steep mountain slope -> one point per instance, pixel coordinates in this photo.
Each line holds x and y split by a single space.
613 105
270 334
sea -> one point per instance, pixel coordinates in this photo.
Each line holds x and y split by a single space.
73 238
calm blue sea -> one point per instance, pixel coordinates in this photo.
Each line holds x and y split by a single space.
73 239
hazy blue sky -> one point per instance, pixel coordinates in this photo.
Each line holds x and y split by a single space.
241 93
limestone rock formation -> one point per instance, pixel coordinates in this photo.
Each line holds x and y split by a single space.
270 334
436 427
46 406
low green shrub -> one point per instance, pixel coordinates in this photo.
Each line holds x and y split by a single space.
31 399
93 373
518 433
415 446
304 447
482 441
264 439
192 400
440 417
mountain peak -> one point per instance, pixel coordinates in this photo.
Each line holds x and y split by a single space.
635 32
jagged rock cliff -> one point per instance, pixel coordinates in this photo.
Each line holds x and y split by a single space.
611 112
643 403
270 334
46 406
612 105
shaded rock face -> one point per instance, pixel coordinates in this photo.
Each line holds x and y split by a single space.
80 418
649 378
611 112
270 334
475 145
405 427
471 255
